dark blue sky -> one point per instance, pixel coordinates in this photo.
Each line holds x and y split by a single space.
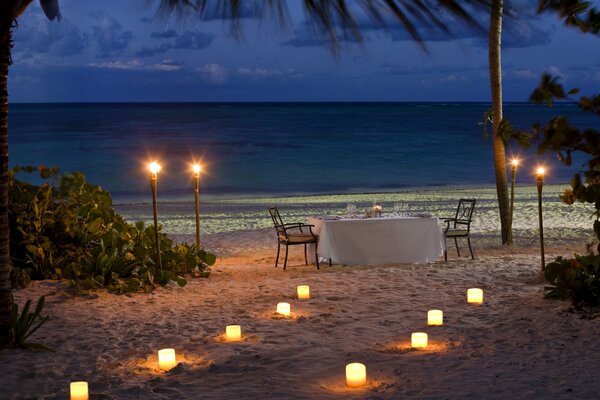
117 50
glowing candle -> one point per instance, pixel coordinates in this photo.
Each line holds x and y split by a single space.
303 292
418 340
356 375
166 359
233 333
435 317
475 296
79 391
283 309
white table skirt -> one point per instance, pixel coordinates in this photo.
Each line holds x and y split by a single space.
376 241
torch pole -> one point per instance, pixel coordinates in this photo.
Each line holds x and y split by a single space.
153 184
540 184
197 201
513 178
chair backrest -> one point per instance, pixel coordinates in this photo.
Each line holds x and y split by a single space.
464 212
277 221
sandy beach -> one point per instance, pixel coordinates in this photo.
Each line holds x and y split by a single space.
515 345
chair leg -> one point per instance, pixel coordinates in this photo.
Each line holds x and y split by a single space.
305 256
445 255
286 254
330 262
456 244
277 259
470 249
317 256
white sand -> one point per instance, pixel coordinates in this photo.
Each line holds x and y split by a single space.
516 345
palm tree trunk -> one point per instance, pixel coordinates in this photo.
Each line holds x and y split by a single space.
495 64
5 289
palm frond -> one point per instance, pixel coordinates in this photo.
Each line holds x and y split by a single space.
340 19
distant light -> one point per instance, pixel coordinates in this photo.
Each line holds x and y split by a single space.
196 168
154 167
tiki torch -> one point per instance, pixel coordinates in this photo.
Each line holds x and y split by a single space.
196 169
514 164
154 167
539 180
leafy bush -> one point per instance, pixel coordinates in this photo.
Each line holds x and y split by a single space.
27 323
65 228
577 279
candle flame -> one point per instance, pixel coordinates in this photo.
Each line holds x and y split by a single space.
154 167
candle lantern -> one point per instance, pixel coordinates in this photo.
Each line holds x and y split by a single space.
233 333
79 391
418 340
539 180
303 292
166 359
197 169
475 296
154 168
356 375
514 164
435 317
283 309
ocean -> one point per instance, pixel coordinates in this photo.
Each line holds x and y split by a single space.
274 149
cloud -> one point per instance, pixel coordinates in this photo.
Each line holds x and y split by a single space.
555 71
136 65
263 73
110 37
168 34
36 35
193 40
213 73
152 51
146 20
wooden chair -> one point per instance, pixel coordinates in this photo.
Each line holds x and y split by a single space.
292 234
460 225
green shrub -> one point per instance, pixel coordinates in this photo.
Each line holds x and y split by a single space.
66 228
25 324
577 279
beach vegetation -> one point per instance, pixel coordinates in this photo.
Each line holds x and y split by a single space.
66 228
26 323
577 278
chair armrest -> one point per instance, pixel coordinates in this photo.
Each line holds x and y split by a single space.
299 226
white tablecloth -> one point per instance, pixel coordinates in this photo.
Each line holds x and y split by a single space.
375 241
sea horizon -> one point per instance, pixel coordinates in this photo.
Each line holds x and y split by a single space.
258 149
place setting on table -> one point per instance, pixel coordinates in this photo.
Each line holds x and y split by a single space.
373 237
